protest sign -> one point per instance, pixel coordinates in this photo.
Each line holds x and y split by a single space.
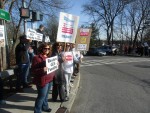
67 28
31 34
52 64
39 37
2 36
83 39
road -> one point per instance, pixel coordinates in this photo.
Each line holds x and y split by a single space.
114 84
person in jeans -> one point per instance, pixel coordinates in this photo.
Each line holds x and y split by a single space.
23 62
41 79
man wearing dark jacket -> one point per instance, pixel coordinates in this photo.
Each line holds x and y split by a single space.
23 62
36 43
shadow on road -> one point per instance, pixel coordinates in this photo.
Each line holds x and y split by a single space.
142 66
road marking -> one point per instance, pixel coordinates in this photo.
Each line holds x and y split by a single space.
112 61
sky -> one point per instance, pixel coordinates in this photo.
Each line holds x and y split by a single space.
77 10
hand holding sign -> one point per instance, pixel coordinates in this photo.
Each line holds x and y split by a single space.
45 69
51 64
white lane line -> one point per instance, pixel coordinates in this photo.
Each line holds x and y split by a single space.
106 63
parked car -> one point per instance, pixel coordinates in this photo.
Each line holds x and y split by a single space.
106 48
96 51
110 50
115 50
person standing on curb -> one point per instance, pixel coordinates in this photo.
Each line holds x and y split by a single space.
23 63
37 43
42 80
59 79
67 67
77 59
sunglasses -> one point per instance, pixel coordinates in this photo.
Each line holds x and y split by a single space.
46 48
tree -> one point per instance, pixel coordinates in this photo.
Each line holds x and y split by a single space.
48 8
105 11
138 12
51 28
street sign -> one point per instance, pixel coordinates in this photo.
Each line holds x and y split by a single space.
4 15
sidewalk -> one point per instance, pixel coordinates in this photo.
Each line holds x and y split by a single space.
24 102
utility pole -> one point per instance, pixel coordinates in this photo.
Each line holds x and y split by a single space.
3 50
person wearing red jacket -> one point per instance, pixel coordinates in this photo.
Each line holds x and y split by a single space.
41 79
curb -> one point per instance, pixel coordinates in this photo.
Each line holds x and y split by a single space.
24 102
73 93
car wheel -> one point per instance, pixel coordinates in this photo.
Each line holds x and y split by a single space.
99 54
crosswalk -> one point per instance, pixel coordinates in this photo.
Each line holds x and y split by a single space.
112 61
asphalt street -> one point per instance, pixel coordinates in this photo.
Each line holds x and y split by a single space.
113 84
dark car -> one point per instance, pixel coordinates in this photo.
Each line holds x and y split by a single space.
106 48
96 51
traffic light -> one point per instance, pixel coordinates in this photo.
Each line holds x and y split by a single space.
36 16
24 13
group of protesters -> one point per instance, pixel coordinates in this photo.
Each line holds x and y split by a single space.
32 61
60 78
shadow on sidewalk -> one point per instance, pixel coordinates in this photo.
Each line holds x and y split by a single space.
12 107
20 102
3 111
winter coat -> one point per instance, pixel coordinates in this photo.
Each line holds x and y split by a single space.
41 78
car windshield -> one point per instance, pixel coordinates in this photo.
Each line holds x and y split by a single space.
105 47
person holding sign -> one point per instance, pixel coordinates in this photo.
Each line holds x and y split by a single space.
36 43
41 30
77 59
42 80
59 80
67 67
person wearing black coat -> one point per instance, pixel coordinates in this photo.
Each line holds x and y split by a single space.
23 62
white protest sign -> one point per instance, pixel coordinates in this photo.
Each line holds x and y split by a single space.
2 36
31 34
81 47
52 64
39 36
47 39
67 28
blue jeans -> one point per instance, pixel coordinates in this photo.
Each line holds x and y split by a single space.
41 102
22 75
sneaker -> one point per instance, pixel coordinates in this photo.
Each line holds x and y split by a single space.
71 80
2 102
48 110
71 85
66 99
